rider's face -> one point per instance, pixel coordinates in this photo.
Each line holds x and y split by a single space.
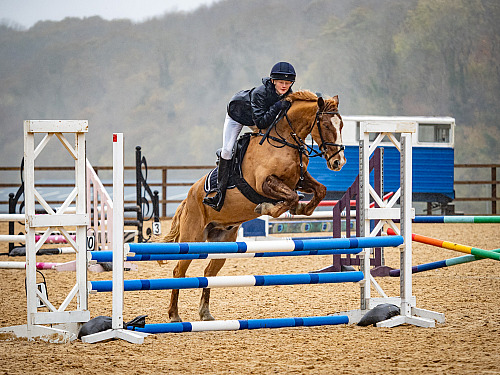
282 86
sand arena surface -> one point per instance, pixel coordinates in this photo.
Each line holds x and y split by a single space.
467 343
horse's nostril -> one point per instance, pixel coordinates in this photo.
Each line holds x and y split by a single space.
336 164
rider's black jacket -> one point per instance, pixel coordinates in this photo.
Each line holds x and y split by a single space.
255 107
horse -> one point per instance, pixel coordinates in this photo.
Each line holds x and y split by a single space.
275 166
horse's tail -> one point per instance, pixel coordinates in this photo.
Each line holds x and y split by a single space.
174 234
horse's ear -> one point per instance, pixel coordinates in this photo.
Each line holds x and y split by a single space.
321 103
336 100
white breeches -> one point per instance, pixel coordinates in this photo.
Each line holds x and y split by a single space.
231 131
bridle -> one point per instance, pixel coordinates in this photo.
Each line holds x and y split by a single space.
323 143
300 145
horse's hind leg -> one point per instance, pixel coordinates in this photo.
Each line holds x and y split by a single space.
189 224
214 266
212 269
173 310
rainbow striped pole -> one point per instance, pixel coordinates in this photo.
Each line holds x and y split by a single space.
451 246
456 219
441 264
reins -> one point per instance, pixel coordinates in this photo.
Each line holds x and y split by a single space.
300 145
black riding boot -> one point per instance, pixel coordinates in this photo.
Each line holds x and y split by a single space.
217 200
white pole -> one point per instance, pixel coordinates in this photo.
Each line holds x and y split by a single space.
364 194
81 230
29 196
117 331
13 238
406 226
12 217
118 256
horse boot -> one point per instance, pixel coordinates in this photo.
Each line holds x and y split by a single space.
223 171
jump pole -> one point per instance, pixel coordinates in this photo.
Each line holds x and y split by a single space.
260 246
451 246
441 264
230 281
22 265
456 219
234 325
107 256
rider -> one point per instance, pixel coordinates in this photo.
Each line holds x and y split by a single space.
256 107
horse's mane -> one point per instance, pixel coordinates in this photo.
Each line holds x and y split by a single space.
304 95
308 96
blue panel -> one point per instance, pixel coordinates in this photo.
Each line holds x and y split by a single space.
433 170
255 227
336 181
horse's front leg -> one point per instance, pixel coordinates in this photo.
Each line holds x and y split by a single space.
310 186
275 188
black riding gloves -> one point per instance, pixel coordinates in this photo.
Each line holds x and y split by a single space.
282 104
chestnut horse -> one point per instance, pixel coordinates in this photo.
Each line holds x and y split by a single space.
275 168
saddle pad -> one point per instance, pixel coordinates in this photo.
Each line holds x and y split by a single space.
211 181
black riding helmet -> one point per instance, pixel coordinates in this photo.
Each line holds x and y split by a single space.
283 71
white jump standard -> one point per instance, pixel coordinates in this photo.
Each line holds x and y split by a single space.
64 325
386 213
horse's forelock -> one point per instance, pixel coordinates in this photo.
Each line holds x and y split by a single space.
331 105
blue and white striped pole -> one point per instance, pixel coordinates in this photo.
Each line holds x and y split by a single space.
229 281
107 256
234 325
262 246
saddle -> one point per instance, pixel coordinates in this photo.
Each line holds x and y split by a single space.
236 179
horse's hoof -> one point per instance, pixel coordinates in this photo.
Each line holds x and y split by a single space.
298 209
206 317
176 319
264 208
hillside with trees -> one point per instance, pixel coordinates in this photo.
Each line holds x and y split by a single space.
165 82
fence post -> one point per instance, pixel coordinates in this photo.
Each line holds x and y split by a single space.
493 190
164 191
